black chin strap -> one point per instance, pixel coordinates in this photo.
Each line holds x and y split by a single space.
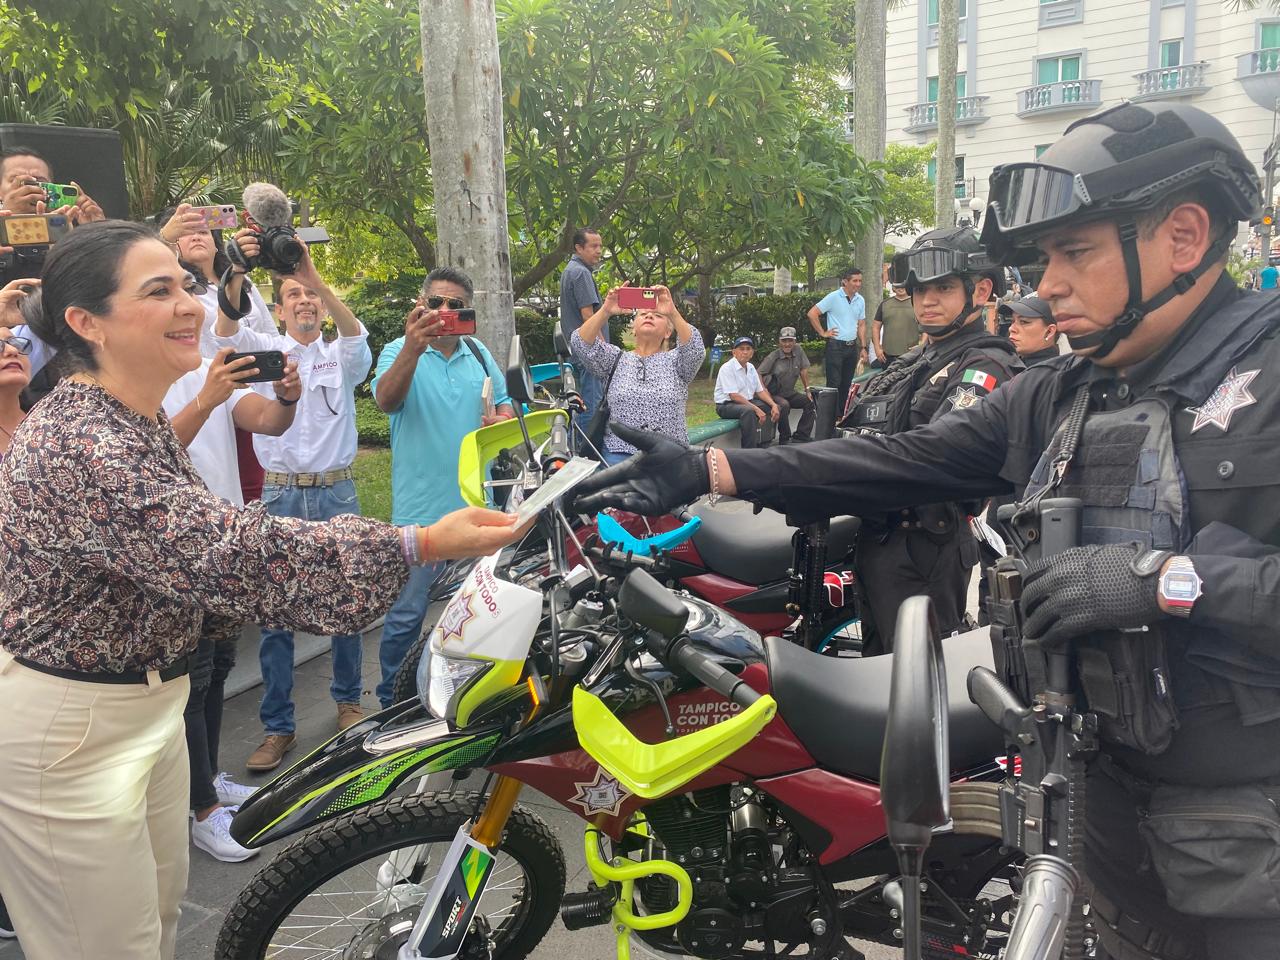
961 317
1136 310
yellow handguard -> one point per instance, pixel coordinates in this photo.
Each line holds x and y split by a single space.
653 770
479 447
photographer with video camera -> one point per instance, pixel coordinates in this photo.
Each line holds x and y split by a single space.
308 468
1162 429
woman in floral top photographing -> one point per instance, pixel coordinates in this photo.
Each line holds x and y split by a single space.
111 552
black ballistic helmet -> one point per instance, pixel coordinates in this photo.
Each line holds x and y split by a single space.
1115 165
947 252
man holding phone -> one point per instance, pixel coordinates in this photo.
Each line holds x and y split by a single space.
308 468
432 384
23 171
579 300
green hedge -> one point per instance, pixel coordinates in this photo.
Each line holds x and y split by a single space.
762 317
372 425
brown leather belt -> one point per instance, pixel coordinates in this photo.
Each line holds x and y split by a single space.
326 479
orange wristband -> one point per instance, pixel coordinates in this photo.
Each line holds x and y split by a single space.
424 543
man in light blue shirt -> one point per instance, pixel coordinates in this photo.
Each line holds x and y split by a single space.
846 314
432 387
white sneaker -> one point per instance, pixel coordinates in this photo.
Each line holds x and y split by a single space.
213 836
230 793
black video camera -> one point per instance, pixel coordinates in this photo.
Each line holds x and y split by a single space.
280 250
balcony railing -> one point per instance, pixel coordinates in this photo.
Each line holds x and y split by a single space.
1063 95
970 111
1259 72
1184 81
1258 62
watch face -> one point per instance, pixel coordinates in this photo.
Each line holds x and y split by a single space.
1181 586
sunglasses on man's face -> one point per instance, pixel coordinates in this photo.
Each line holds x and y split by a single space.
435 303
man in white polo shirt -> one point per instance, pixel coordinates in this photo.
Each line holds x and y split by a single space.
846 312
308 469
739 395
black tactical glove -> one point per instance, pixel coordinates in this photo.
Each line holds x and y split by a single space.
664 475
1086 589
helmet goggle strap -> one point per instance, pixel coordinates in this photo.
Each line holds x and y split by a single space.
1137 309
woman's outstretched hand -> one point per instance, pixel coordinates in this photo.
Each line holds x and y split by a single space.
472 532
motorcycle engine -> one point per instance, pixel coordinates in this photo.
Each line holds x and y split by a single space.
723 836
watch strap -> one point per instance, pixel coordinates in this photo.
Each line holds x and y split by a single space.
1181 606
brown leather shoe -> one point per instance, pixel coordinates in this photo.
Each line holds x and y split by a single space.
349 714
271 752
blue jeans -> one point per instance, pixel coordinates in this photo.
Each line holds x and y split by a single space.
403 625
592 389
613 456
276 652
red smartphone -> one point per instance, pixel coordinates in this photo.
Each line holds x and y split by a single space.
638 298
457 322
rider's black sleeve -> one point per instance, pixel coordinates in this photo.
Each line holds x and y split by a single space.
964 455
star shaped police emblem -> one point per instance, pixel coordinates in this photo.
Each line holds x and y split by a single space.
1231 395
456 616
964 397
601 795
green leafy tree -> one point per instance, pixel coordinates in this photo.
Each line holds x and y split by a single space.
908 192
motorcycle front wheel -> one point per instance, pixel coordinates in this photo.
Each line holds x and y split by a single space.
352 887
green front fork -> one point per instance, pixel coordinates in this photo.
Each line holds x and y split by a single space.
626 873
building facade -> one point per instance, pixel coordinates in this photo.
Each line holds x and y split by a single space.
1027 69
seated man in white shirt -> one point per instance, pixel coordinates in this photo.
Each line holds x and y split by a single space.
740 396
308 469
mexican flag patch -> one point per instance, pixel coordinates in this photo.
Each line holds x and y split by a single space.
984 380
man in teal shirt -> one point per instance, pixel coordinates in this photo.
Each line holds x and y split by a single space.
846 313
432 388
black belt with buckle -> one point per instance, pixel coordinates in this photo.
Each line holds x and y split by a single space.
179 668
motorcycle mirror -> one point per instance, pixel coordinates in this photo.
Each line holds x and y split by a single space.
562 344
914 760
647 602
519 376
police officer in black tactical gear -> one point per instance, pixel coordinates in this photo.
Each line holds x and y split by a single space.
929 549
1174 394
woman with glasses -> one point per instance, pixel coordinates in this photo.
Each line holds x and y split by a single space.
647 388
113 553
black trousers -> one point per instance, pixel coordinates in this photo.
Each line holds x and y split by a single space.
796 401
1116 863
755 432
841 360
907 563
210 666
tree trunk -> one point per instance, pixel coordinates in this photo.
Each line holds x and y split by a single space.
781 280
948 54
463 85
869 133
811 269
706 309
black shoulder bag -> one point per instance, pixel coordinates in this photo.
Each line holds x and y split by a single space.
600 418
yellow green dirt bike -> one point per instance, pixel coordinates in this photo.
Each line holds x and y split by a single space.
727 784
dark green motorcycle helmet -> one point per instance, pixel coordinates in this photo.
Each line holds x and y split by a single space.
1116 165
947 252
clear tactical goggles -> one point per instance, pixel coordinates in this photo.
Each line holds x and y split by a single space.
1027 194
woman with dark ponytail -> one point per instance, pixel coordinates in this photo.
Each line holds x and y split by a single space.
112 552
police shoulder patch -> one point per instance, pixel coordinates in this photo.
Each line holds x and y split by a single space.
964 397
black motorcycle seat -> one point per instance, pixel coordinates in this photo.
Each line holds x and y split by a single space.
757 549
839 706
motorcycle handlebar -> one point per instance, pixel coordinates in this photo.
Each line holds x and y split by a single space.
682 654
557 448
1048 888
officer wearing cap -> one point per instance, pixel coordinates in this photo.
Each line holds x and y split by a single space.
779 372
1174 400
1031 329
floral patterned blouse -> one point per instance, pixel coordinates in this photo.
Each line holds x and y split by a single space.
112 549
646 392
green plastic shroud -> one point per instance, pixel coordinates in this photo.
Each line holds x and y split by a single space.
653 770
479 447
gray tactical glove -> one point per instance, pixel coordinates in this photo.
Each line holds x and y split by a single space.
1087 589
663 476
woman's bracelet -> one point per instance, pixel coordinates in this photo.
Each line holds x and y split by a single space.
714 463
424 543
415 544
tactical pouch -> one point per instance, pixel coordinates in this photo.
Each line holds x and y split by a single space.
872 414
1125 677
1216 849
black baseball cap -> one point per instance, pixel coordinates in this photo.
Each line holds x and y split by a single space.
1033 307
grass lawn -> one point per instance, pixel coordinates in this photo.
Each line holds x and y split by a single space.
373 464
